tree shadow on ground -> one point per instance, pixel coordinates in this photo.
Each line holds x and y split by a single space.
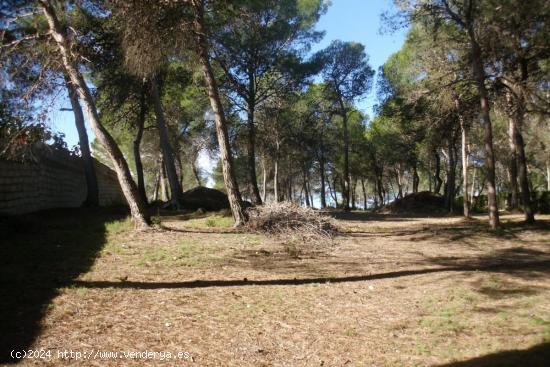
40 253
536 356
506 267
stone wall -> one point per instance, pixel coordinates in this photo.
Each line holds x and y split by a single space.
52 179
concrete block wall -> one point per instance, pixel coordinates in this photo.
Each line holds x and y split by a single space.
52 179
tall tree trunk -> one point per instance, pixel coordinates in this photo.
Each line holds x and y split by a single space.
196 171
524 180
308 183
473 189
92 195
251 150
451 176
230 181
352 194
138 209
164 182
513 169
364 194
479 75
166 147
276 189
548 174
305 189
137 144
437 173
322 178
519 115
264 180
416 179
347 180
464 155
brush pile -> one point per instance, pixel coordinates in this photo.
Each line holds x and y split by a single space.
291 221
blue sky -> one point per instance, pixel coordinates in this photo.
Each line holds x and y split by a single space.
346 20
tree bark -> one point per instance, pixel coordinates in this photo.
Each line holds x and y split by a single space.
548 175
437 173
138 209
251 151
416 178
276 189
230 181
479 75
166 147
518 114
513 169
137 145
524 180
364 194
264 181
92 195
322 178
464 155
451 176
346 186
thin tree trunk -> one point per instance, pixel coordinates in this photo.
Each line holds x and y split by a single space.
92 195
137 145
346 186
437 173
416 179
523 179
276 189
230 181
473 189
264 181
322 178
513 169
138 209
548 175
464 155
251 151
196 172
451 176
308 183
364 194
305 189
166 147
479 74
518 138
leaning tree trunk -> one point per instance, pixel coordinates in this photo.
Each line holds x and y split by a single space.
166 147
138 209
230 181
479 75
137 145
92 195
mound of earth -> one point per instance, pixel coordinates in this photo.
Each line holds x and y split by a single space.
205 198
424 202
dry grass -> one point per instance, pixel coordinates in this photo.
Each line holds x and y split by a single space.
391 291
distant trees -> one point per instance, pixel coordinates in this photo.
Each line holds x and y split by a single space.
460 113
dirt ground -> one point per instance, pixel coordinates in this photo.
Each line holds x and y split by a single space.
388 291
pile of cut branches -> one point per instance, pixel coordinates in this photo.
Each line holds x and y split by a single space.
291 221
